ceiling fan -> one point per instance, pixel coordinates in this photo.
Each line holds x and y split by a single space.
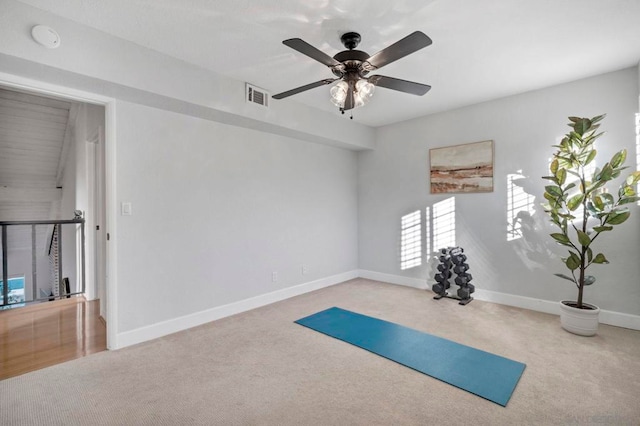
351 67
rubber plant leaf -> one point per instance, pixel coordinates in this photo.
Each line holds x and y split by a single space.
618 218
566 277
600 258
583 238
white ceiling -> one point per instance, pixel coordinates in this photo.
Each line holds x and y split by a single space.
32 135
482 49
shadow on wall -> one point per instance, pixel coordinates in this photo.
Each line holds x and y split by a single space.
526 228
439 232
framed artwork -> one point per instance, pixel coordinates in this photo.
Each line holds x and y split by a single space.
462 168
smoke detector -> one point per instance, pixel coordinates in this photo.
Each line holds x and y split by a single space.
45 36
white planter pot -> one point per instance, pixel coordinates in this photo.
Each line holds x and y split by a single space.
579 321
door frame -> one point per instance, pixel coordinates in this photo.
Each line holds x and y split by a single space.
110 216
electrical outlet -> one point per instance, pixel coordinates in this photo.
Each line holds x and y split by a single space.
305 270
274 276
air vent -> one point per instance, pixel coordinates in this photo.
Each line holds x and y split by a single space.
257 96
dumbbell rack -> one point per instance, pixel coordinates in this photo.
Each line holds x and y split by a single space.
452 260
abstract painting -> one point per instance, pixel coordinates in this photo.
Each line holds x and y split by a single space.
462 168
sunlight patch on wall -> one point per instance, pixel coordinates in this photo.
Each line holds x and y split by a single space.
427 219
411 240
520 206
444 223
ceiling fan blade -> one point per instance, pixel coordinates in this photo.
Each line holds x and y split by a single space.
304 88
399 85
350 101
411 43
307 49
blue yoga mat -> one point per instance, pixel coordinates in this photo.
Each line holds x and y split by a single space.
487 375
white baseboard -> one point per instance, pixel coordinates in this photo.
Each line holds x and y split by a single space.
617 319
394 279
174 325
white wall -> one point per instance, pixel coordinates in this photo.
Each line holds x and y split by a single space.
217 209
393 181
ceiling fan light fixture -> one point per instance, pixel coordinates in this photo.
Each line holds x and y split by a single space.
339 93
365 90
362 93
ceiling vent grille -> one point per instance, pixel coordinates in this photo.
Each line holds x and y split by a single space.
255 95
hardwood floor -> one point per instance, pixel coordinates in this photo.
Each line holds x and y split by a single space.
45 334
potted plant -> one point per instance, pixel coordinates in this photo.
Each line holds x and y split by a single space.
582 208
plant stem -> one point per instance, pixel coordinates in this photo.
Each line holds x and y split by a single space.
583 251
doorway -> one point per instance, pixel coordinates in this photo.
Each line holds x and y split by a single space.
91 135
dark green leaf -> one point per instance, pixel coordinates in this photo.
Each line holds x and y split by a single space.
582 126
561 175
554 190
573 262
618 158
566 277
549 197
575 201
583 238
616 218
602 228
600 258
606 173
629 200
590 157
589 255
598 203
561 238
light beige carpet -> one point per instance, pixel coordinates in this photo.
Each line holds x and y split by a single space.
259 368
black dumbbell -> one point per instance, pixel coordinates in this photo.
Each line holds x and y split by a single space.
443 267
461 268
458 259
462 281
444 276
464 293
440 288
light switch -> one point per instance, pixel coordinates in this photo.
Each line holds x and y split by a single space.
126 209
